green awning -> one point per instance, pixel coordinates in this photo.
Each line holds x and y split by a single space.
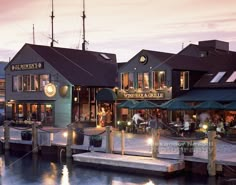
223 95
106 95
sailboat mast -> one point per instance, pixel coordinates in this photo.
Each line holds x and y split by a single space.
52 17
83 17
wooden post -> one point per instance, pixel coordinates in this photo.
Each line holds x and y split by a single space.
69 140
154 143
211 167
109 143
35 137
122 142
6 135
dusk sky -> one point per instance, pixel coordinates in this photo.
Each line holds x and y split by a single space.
122 27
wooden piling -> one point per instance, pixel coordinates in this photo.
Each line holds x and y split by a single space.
35 137
6 135
211 167
122 142
69 140
155 142
109 144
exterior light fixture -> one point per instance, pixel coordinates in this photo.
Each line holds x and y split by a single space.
204 126
129 123
50 90
75 99
65 134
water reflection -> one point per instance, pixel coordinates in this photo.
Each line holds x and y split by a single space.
35 170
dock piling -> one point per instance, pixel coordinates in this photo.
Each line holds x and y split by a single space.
122 142
211 167
6 134
69 140
35 137
109 144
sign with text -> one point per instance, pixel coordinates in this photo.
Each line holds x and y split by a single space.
30 66
141 95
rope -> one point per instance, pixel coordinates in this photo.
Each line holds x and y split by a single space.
17 128
49 131
226 140
82 132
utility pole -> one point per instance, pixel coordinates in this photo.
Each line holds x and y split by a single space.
33 35
52 17
83 17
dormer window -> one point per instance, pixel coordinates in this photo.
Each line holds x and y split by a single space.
218 76
232 77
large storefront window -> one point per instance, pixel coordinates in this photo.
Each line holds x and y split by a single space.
143 80
184 80
159 79
30 82
34 112
127 80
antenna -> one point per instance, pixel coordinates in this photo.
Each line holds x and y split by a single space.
33 35
83 17
52 17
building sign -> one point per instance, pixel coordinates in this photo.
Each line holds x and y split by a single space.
141 95
30 66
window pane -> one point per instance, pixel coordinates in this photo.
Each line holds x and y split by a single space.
131 80
140 80
159 78
146 80
44 79
125 81
184 80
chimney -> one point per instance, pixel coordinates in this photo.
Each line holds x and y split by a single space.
217 44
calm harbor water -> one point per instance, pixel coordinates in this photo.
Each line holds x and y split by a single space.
23 169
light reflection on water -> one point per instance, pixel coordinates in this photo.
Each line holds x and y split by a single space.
35 170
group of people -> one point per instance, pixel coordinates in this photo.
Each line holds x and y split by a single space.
104 117
154 122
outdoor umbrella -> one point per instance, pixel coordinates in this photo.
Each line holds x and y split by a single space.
145 105
230 106
127 104
175 105
209 105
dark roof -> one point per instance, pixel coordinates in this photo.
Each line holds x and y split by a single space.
133 63
203 51
85 68
209 95
181 62
215 64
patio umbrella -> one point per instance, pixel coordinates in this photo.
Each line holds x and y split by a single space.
127 104
230 106
145 104
209 105
175 105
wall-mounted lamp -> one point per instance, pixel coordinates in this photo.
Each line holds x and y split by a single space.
75 99
50 90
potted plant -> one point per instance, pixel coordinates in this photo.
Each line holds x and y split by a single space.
95 140
186 147
79 136
26 135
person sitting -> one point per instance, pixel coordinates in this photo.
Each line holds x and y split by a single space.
137 120
185 128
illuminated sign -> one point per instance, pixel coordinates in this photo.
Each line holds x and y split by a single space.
30 66
50 90
142 95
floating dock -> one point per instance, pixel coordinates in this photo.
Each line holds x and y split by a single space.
128 163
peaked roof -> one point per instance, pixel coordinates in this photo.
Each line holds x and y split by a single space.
85 68
132 63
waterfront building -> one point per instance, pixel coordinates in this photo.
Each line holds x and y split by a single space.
197 73
57 86
2 91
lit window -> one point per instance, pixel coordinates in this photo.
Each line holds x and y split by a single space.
143 81
127 80
159 78
218 76
184 80
232 77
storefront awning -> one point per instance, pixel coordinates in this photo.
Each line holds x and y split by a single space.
106 95
223 95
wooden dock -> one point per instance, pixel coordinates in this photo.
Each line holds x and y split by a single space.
128 163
